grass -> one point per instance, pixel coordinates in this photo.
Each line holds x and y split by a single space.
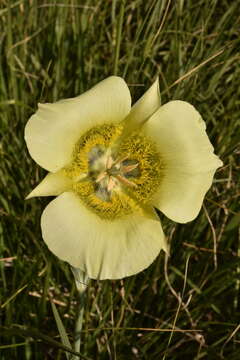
58 49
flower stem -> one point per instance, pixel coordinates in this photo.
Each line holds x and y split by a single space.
81 280
79 321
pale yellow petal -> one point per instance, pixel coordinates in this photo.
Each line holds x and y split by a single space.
52 185
180 196
144 107
103 249
54 129
187 159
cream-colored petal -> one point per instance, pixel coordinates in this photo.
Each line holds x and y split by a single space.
54 129
144 107
103 249
180 196
52 185
187 158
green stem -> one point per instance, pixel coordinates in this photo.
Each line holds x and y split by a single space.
79 321
81 280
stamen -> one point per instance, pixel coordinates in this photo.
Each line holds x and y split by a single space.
111 184
101 176
120 160
125 181
109 162
129 168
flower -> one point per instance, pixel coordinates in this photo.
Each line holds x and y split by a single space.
109 166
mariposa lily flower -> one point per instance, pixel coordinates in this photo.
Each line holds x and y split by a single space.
110 165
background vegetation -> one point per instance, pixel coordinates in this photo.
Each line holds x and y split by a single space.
57 49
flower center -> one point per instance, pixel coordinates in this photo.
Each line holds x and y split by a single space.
111 173
112 179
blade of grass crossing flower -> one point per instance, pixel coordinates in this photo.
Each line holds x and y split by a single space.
147 21
61 329
118 39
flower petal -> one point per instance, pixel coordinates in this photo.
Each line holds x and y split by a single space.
181 195
54 129
52 185
144 107
187 157
103 249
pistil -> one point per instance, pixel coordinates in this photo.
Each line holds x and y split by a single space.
115 173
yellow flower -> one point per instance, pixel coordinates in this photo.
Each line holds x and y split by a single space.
109 166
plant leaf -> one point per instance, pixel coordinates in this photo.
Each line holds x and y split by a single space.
61 329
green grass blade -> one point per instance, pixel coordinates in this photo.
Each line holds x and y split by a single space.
61 329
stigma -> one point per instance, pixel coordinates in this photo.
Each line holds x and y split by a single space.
115 174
